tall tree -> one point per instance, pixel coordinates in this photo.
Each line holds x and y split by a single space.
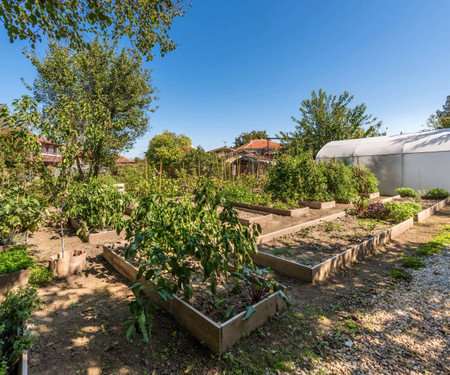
328 118
145 23
441 119
114 85
167 148
247 137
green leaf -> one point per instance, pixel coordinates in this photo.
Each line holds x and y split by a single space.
250 310
131 331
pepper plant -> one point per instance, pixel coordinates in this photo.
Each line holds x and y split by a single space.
173 241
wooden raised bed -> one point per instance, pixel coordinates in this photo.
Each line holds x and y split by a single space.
295 228
389 199
218 337
13 280
322 270
370 195
318 205
425 214
97 238
303 211
264 218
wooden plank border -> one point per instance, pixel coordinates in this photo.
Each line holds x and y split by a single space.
318 205
370 195
321 271
98 238
425 214
13 280
303 211
218 337
295 228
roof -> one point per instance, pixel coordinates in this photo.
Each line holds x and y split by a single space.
255 157
410 143
124 160
44 141
223 149
52 159
258 144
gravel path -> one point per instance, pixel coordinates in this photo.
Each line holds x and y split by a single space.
404 331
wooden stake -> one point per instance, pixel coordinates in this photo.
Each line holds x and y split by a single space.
160 176
146 177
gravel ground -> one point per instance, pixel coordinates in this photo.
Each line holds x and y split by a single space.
402 331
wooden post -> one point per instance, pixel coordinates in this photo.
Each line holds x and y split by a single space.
160 176
146 176
335 160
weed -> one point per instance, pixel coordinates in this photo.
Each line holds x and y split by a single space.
283 251
305 231
330 227
40 276
413 262
400 275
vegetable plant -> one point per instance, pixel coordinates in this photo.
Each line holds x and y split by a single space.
406 192
15 259
398 212
15 311
365 180
172 242
437 193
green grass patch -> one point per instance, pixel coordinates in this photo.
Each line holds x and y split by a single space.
400 275
436 245
40 276
413 262
14 259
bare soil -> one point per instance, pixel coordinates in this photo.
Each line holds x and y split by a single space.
314 245
81 332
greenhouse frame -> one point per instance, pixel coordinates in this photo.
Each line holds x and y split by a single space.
416 160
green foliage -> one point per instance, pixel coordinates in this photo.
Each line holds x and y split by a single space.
413 262
144 23
110 95
398 212
436 245
247 137
406 192
328 118
167 148
14 259
437 193
400 275
173 241
441 119
18 213
96 206
40 276
15 311
365 180
340 181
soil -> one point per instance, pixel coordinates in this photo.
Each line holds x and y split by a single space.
81 331
314 245
425 203
246 214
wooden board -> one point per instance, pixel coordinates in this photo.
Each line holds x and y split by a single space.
425 214
319 205
13 280
370 195
99 238
218 337
303 211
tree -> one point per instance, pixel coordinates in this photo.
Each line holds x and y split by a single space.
328 118
113 85
441 119
167 148
145 23
247 137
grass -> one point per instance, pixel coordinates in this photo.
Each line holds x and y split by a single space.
413 263
436 245
400 275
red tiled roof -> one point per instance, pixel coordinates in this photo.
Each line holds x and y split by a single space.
258 144
124 160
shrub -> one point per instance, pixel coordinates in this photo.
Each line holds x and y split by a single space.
15 311
437 193
340 180
406 192
40 276
96 206
365 180
14 259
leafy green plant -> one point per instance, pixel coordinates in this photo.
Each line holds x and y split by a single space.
14 259
40 276
18 213
413 262
173 241
406 192
96 206
398 212
400 275
436 245
437 193
365 180
340 181
15 311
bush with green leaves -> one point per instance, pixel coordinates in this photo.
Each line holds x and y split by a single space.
15 337
365 180
19 212
96 206
406 192
174 241
437 193
340 180
40 276
15 259
390 211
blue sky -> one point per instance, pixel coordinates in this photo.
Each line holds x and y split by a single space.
244 65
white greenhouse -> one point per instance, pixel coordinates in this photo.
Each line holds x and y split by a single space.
415 160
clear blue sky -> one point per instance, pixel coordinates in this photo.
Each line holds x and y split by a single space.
244 65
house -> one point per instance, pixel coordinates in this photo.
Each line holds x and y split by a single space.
123 161
50 153
259 146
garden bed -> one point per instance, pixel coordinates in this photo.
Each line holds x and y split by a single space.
318 205
218 337
97 238
430 206
322 249
248 216
303 211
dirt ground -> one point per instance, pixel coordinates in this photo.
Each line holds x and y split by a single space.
81 332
